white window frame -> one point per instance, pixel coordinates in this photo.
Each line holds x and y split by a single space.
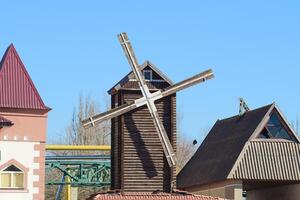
11 179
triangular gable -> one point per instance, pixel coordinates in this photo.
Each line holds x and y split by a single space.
16 87
156 73
275 125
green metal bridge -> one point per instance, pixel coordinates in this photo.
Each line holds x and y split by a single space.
77 171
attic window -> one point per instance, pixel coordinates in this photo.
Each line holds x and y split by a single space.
12 178
275 128
148 75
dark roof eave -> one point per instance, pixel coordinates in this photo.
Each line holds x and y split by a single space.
44 108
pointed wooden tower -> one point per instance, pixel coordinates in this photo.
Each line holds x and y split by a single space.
23 123
138 161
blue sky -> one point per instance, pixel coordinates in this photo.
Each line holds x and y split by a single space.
71 48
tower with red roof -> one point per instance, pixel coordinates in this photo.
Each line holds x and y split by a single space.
23 125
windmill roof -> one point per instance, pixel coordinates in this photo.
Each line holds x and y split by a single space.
151 196
130 75
16 87
219 151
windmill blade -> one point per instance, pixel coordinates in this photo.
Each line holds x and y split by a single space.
167 147
126 45
93 121
199 78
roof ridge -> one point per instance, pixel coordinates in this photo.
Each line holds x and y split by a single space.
247 112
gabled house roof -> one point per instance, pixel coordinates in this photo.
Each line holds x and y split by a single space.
130 76
16 87
221 151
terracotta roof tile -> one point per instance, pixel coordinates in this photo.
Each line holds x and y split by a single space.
151 196
16 87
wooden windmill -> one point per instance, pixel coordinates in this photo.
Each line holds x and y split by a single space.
143 125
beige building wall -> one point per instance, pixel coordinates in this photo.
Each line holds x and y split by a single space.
24 143
29 125
283 192
224 189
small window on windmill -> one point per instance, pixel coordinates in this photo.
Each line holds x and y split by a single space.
148 75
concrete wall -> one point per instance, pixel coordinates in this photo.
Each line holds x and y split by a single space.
224 189
286 192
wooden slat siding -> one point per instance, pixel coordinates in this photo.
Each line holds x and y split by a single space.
174 138
139 163
145 167
114 150
269 160
115 141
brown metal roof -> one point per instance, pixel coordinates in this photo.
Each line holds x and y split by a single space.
130 75
16 87
149 196
219 151
273 159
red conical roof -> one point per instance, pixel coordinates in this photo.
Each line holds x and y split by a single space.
16 87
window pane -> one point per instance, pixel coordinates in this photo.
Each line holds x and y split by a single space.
264 134
12 168
18 180
5 180
277 129
148 75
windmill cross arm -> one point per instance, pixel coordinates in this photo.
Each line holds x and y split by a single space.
94 120
199 78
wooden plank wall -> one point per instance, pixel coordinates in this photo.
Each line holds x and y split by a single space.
145 168
116 148
138 161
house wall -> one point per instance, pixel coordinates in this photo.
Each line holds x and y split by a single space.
25 153
28 125
286 192
24 142
223 189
